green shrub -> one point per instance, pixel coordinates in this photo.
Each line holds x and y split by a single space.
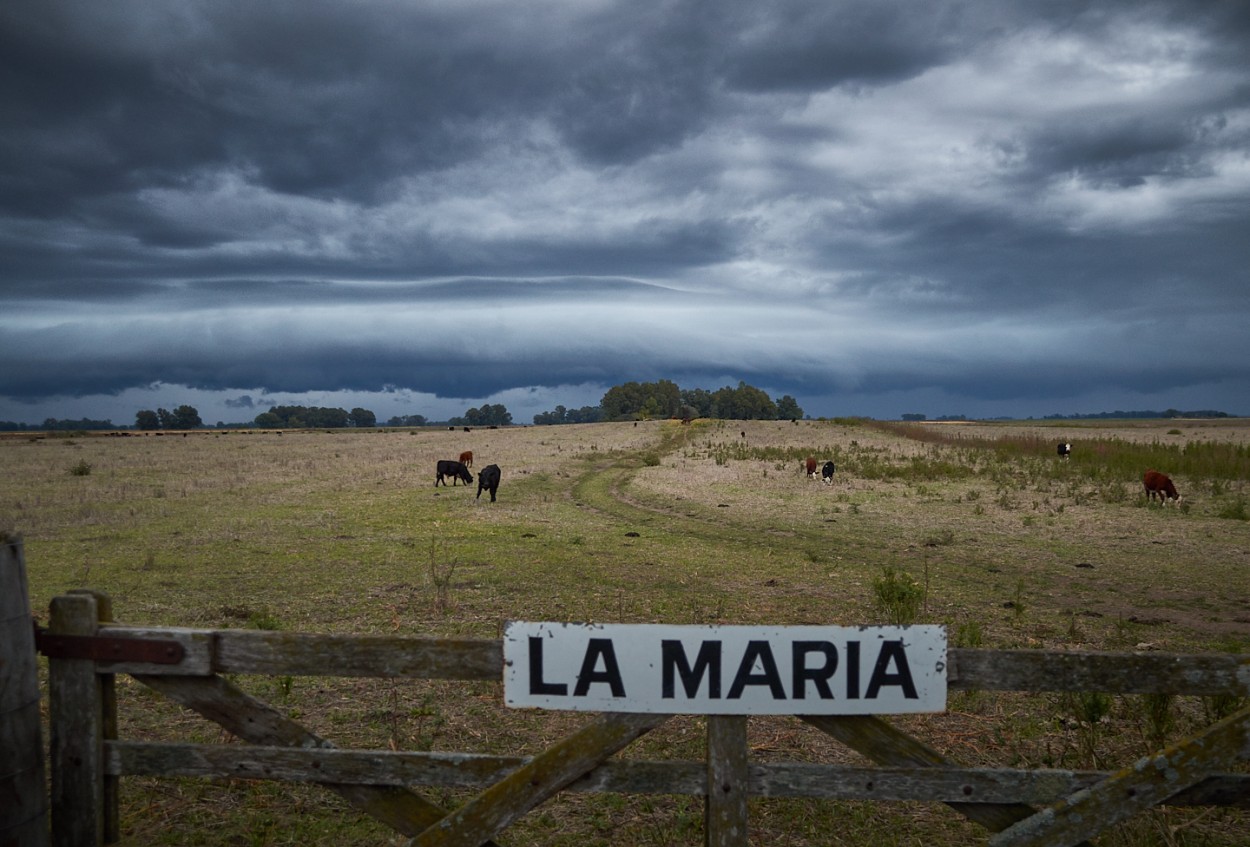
898 597
83 468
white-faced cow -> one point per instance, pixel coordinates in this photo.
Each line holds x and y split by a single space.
826 473
488 479
455 470
810 464
1157 483
1065 450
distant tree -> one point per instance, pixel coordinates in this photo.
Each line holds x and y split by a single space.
914 416
407 420
745 403
699 400
269 420
489 415
635 400
586 414
186 417
561 415
310 417
147 419
788 409
558 415
362 418
166 418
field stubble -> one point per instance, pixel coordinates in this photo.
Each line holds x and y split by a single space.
713 522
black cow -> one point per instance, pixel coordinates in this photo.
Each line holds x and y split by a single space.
489 480
826 473
1065 450
453 469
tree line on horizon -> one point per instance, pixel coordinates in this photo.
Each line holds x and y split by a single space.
629 401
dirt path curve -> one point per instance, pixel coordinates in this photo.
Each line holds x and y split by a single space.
604 488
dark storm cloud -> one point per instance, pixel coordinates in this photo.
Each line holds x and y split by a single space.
1008 204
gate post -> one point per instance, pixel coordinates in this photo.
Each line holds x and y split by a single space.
75 730
725 809
23 793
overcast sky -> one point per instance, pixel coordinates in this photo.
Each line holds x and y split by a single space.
878 208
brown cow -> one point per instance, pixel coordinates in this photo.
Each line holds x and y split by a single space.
810 464
1158 483
466 458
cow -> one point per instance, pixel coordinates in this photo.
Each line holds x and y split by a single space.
466 458
1065 449
826 473
455 470
488 479
1158 483
810 464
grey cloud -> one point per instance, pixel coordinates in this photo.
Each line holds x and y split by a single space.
461 200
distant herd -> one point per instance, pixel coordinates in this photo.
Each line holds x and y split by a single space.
1156 484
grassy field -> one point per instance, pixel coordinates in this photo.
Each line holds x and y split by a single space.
980 526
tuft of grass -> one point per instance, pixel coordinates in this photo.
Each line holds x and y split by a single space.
263 618
83 468
1235 510
968 634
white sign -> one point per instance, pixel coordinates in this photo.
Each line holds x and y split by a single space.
725 670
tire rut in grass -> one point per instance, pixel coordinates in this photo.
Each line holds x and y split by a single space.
604 489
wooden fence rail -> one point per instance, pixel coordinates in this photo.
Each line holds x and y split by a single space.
85 650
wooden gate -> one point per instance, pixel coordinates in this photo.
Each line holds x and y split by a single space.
85 650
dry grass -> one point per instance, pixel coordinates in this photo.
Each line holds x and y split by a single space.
713 522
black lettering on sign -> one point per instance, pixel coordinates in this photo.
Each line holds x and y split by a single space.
768 671
901 677
801 674
537 685
852 670
707 663
611 674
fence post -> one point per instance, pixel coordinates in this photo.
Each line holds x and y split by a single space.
725 810
111 789
75 731
23 792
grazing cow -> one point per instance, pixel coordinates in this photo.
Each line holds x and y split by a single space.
827 473
489 480
1158 483
455 470
1065 450
810 464
466 458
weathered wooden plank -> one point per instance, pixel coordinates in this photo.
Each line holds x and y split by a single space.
240 651
883 743
725 810
287 653
543 776
257 722
1134 789
477 770
75 729
23 790
197 645
1123 673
